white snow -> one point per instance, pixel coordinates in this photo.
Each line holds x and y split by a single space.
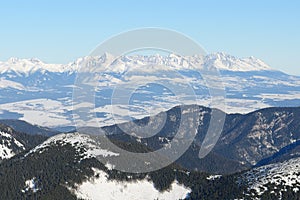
43 112
109 166
220 60
285 174
102 188
223 61
6 150
30 185
51 113
31 65
213 177
11 84
77 140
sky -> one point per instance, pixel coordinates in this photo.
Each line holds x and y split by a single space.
60 31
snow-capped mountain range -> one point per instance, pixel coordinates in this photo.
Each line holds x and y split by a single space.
42 93
222 61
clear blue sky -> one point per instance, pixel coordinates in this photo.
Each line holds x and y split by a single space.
61 31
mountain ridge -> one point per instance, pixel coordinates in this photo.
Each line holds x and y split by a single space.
63 170
220 60
13 142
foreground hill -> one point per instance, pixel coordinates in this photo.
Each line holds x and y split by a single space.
65 167
274 181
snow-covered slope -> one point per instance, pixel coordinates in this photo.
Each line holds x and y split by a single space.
84 145
100 187
224 61
9 146
274 178
26 66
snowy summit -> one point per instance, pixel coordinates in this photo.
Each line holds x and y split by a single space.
221 61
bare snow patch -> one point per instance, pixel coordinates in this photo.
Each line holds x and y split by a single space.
102 188
213 177
30 185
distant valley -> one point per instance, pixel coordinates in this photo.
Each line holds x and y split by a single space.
41 93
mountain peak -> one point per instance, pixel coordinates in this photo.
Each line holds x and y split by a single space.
224 61
221 55
220 60
13 60
16 60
